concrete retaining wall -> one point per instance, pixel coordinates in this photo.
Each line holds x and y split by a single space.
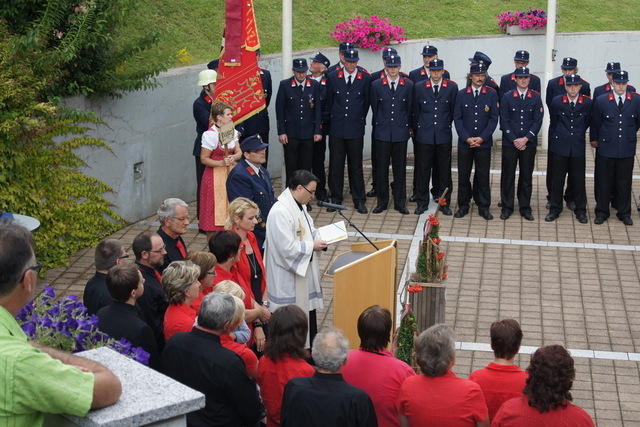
153 131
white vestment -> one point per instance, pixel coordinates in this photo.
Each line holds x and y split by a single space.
291 263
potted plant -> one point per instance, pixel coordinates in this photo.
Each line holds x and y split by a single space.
532 21
374 33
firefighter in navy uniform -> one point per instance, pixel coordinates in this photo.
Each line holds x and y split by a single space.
347 103
299 116
319 66
570 115
475 116
390 98
386 53
612 67
521 113
481 58
615 121
508 81
434 101
344 46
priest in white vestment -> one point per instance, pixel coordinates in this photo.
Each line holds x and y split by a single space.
291 249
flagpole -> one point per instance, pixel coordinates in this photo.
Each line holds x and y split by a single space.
549 53
287 56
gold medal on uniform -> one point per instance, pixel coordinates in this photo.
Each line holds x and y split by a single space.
311 102
486 108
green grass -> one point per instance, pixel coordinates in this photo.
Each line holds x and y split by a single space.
196 25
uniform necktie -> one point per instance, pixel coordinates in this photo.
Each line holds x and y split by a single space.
181 249
349 81
573 104
476 94
522 96
619 103
393 87
260 174
435 90
300 88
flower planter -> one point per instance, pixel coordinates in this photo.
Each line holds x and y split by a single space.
428 305
515 30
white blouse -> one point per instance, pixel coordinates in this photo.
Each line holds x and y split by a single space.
210 139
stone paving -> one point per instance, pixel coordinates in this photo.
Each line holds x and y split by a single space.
565 282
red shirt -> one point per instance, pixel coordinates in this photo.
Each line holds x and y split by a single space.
222 274
499 383
381 375
178 318
517 412
272 377
244 268
248 357
442 401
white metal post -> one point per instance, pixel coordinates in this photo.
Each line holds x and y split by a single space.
549 53
287 56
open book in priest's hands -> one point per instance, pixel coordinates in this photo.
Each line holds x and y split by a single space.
333 232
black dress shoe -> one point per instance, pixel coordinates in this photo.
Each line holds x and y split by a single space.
420 210
446 210
361 208
626 220
571 205
599 219
548 205
551 216
484 213
379 209
504 215
527 215
582 218
461 212
412 198
371 193
402 210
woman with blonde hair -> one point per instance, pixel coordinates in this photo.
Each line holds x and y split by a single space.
181 286
207 262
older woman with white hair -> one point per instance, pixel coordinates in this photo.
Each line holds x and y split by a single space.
173 215
439 397
181 285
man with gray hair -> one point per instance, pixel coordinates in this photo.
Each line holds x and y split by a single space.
109 252
198 360
173 215
439 397
326 399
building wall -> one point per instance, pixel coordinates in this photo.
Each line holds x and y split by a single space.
153 131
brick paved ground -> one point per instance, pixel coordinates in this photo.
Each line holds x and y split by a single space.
586 298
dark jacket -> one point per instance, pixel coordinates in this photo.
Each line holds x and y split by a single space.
196 359
391 111
96 295
299 113
508 83
520 118
568 125
615 130
433 115
348 106
556 87
153 302
476 117
201 113
606 88
421 73
381 73
171 246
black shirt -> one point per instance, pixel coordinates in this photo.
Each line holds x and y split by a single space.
325 400
120 320
96 295
173 253
153 302
197 360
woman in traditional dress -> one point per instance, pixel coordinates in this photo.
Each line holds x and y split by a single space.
218 156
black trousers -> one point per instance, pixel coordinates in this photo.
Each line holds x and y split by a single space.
351 150
199 172
614 177
431 158
511 157
374 160
481 189
313 326
319 149
569 192
572 168
394 153
298 154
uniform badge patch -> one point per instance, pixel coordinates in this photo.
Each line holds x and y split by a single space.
486 108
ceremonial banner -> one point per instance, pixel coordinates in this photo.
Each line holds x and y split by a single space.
239 83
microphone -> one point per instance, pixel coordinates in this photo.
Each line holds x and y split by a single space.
331 205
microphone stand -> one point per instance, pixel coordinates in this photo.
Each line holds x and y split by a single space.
357 229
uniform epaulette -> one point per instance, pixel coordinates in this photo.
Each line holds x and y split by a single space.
586 96
489 87
363 70
534 91
452 81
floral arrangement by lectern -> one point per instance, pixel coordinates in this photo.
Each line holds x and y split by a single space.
532 18
64 324
374 33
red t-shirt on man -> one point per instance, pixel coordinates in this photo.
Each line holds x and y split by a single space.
381 375
273 376
499 383
442 401
178 318
517 413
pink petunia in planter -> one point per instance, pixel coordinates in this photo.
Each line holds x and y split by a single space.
374 33
535 19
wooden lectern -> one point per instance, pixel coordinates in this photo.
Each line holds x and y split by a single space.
363 277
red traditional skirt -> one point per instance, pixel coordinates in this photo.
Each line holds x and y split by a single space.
213 193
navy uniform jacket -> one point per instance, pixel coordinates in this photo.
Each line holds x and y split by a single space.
391 112
299 114
489 82
432 116
556 87
508 83
348 106
569 125
521 118
476 117
381 73
335 67
322 82
615 131
259 123
421 73
201 113
244 182
606 88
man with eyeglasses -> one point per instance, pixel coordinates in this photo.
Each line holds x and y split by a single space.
109 252
173 215
150 251
37 379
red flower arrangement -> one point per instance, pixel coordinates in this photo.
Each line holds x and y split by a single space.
532 18
374 33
